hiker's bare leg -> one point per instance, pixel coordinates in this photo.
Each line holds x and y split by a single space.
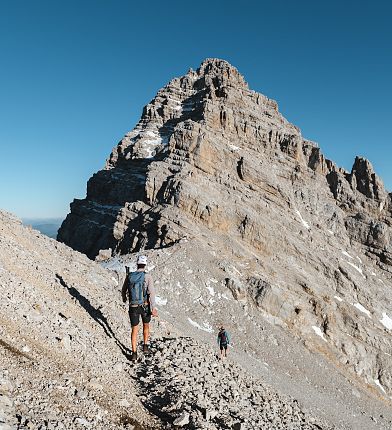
146 332
134 332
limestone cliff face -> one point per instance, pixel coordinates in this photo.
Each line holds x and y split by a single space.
215 164
210 153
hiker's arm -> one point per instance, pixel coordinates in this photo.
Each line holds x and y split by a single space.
124 290
151 294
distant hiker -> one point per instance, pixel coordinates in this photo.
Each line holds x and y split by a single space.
223 341
141 295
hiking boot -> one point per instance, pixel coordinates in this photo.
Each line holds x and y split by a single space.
134 356
146 349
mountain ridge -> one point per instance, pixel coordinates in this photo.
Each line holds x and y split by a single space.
304 242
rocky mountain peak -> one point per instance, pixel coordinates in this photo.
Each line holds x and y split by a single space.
209 96
220 73
365 180
244 223
215 165
205 136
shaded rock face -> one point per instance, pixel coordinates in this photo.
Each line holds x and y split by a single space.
206 152
215 165
186 133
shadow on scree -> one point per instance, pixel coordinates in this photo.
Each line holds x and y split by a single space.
95 314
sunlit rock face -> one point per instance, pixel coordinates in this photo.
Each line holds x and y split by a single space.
214 163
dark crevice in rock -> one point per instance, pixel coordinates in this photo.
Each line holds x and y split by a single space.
240 168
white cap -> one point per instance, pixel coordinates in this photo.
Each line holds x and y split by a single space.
142 259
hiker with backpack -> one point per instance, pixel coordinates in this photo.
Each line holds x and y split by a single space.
139 288
223 340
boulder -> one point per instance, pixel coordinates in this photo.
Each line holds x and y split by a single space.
182 420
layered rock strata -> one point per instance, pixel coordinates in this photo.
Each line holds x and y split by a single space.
206 151
215 164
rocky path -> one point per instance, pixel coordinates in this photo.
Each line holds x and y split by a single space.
64 357
63 339
184 384
8 419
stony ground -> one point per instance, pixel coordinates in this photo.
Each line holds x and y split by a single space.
64 357
194 300
63 337
183 381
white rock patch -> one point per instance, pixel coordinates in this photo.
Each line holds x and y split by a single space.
358 269
149 146
386 321
318 331
339 299
304 223
207 327
150 134
362 309
160 301
346 254
211 290
377 382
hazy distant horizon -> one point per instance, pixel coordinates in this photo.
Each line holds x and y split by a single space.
27 220
47 226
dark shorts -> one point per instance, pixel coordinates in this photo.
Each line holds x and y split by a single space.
140 311
223 346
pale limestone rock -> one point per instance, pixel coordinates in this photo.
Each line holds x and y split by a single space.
212 161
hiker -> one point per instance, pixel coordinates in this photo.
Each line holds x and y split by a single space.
223 341
141 294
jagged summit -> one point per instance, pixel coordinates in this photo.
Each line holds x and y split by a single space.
222 71
365 180
185 99
207 122
219 63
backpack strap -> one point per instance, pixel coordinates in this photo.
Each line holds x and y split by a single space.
144 288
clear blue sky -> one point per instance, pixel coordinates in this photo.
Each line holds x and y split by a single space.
75 75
